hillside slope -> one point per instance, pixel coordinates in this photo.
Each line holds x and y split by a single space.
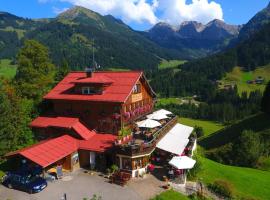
70 36
12 30
259 123
240 78
255 24
246 182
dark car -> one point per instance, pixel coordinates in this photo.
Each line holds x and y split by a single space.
24 182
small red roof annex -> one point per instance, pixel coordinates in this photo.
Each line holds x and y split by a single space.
64 122
48 152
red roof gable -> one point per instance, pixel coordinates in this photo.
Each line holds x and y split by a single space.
48 152
118 91
64 122
98 143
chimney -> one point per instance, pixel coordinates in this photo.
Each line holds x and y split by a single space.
89 72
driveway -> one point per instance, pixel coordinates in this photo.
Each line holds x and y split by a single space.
78 185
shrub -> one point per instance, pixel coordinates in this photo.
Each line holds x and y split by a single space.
222 188
222 154
114 168
199 131
247 149
196 169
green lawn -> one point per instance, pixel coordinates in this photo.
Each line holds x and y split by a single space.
240 78
209 127
7 70
170 195
167 101
170 64
246 182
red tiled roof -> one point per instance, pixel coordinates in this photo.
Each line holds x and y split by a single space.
84 132
117 91
63 122
96 78
48 152
98 143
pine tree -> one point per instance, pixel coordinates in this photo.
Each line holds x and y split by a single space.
62 71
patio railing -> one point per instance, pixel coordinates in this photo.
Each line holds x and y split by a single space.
147 147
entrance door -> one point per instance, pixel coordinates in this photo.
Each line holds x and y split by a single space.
75 161
92 160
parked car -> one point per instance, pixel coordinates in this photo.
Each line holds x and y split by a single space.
24 182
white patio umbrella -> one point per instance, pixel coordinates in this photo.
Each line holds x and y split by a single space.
182 162
148 123
163 111
157 116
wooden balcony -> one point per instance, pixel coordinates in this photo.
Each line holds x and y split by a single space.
147 147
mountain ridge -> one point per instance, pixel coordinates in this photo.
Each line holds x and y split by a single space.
255 23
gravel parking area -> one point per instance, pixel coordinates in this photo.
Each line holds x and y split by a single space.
79 185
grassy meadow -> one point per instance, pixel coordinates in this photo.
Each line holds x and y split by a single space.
231 132
240 78
170 64
209 127
7 70
246 182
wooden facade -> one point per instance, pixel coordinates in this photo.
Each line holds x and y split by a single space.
107 116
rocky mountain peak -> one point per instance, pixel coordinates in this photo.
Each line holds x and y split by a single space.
77 11
162 28
192 24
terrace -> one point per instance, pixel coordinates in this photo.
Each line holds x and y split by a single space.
144 140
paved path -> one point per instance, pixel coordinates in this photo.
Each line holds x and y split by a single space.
147 187
80 185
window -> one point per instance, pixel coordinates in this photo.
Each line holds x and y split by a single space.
137 89
87 90
126 162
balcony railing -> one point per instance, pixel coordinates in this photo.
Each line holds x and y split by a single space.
147 147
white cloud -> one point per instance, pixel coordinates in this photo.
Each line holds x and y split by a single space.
59 10
138 11
177 11
152 11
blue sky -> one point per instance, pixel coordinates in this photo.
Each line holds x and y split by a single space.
143 16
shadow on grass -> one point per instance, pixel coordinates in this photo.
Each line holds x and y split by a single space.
256 123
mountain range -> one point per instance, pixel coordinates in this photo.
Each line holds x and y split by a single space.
204 39
73 34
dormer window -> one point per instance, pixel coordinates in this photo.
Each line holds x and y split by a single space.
91 90
87 90
137 89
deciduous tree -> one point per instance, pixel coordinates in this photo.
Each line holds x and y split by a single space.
35 73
